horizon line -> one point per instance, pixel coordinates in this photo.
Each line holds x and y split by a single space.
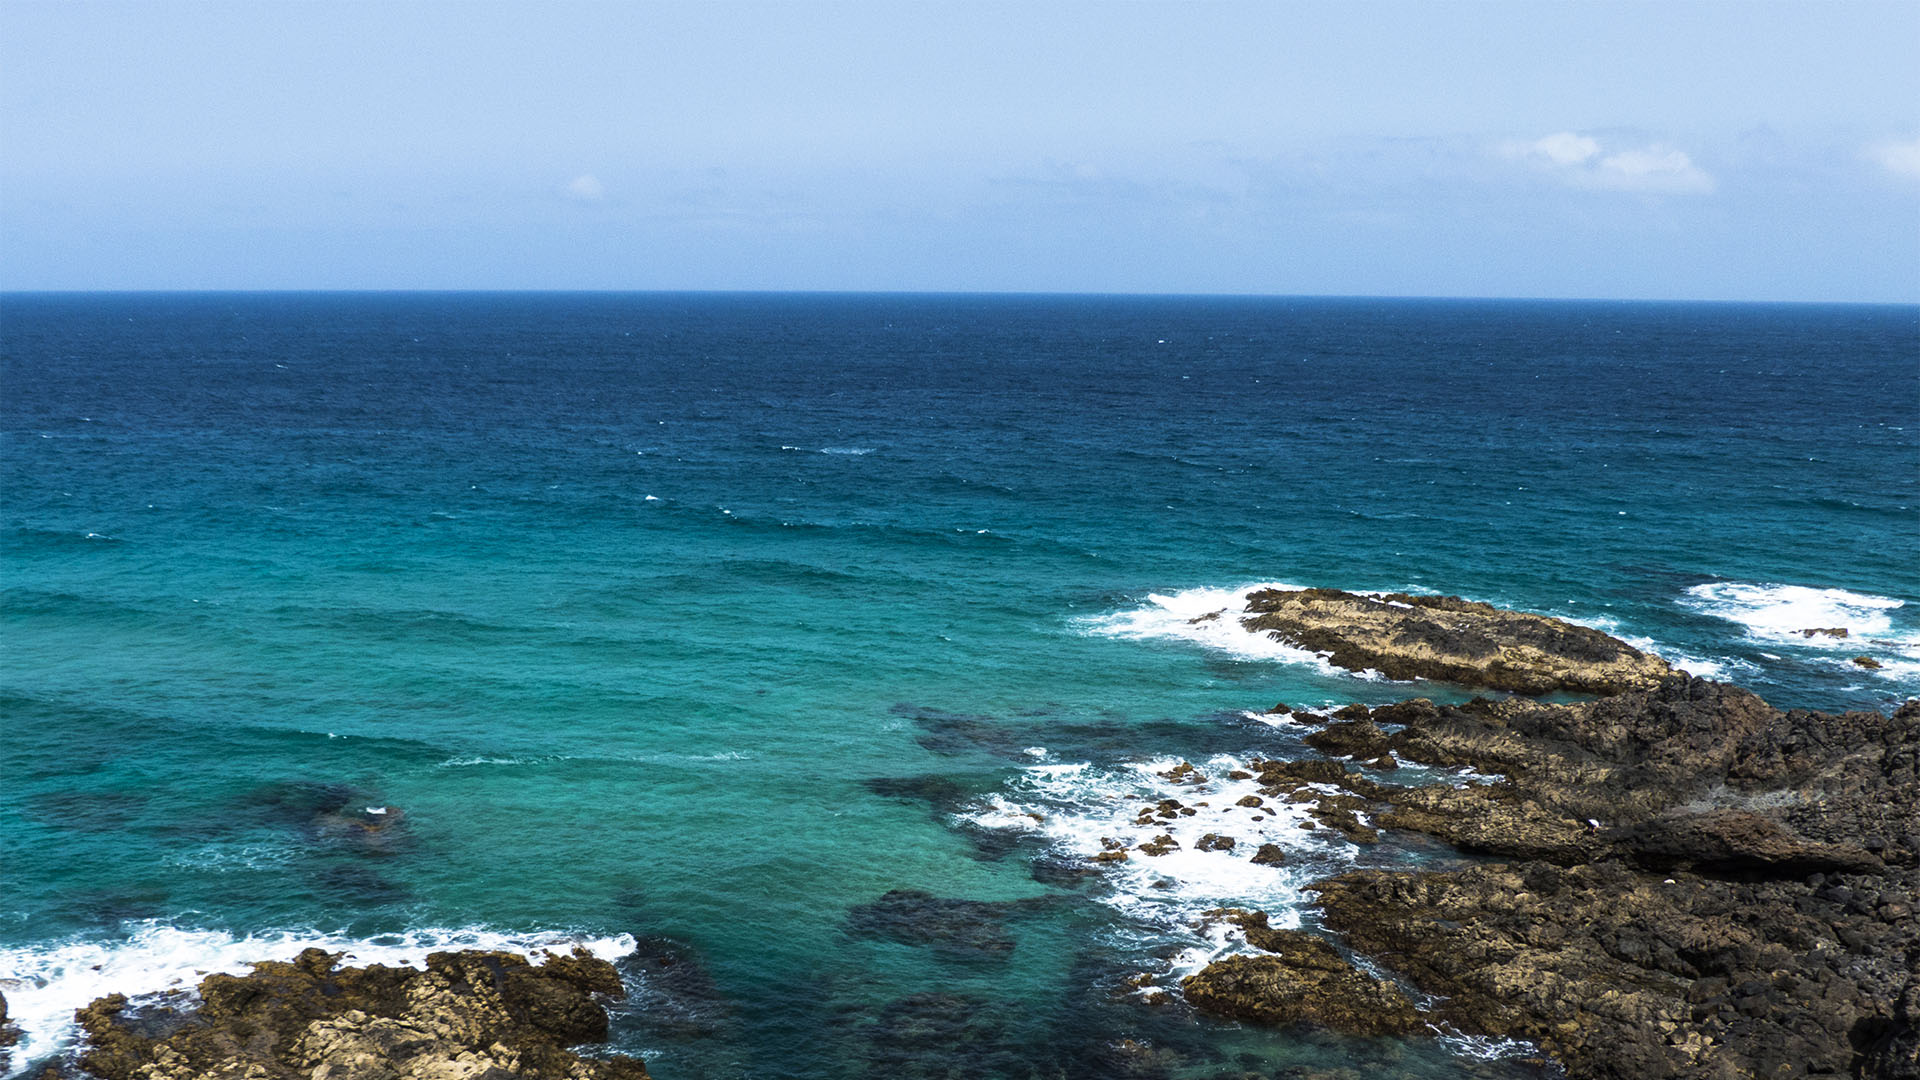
973 293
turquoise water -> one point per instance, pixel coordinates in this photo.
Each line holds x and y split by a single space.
640 611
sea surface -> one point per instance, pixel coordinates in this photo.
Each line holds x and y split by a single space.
686 627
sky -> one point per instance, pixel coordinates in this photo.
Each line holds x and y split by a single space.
1750 150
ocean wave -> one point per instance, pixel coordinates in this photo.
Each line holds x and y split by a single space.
45 983
1080 811
848 451
1783 615
1692 665
1208 617
1785 612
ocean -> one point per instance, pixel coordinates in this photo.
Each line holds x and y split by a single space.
687 627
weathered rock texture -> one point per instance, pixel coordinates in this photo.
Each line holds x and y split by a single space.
1447 638
467 1016
1303 981
1626 975
1701 885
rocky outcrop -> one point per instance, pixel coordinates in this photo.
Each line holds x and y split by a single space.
467 1016
1688 774
1299 979
1631 976
1450 639
8 1035
1700 885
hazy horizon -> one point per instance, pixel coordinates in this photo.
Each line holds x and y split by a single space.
1707 151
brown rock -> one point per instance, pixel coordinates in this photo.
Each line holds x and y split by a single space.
1270 855
1625 975
1160 845
468 1014
1447 638
1304 982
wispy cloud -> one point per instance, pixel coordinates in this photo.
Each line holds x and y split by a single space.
1584 161
585 188
1900 157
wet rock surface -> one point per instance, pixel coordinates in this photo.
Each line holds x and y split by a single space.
1304 980
466 1016
1622 974
1451 639
9 1034
1698 884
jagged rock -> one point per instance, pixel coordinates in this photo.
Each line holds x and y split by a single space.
1828 631
1447 638
1350 738
1160 845
1214 842
1797 790
1710 887
467 1015
1270 855
1305 982
1738 842
1867 662
1627 975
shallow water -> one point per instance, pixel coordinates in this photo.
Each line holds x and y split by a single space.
714 618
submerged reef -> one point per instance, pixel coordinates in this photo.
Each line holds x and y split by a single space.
467 1015
1682 881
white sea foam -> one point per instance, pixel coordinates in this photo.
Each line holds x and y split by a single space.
1781 612
1083 810
45 983
1206 617
851 451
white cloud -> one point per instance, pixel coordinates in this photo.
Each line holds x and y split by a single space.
1582 161
1901 158
585 188
1651 168
1566 148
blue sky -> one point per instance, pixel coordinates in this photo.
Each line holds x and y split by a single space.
1747 150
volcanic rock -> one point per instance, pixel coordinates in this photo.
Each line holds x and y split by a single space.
1451 639
468 1014
1270 855
1625 975
1305 982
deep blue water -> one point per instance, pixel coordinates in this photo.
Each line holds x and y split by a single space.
630 603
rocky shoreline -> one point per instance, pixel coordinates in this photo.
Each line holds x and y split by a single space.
470 1015
1682 881
1672 880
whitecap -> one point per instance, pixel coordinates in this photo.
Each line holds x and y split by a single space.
46 982
1081 811
1207 617
1781 612
851 451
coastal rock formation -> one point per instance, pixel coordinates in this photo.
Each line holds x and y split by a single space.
1447 638
467 1016
8 1033
1303 980
1626 975
1701 885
